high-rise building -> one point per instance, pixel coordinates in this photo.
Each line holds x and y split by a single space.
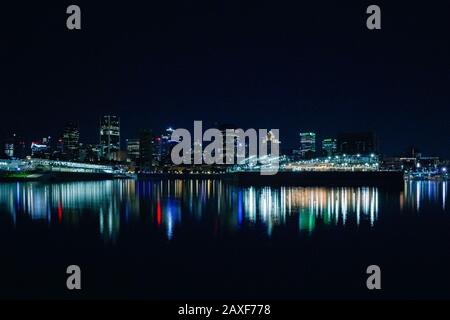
109 135
162 147
89 153
145 150
329 145
229 150
167 146
14 147
133 149
71 140
357 143
272 143
307 143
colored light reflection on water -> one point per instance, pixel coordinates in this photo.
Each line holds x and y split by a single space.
167 204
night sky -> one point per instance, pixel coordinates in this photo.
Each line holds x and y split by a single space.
296 66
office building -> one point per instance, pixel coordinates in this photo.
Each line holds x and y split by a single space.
132 150
145 151
329 146
71 140
162 147
109 136
229 150
307 144
42 149
14 147
357 143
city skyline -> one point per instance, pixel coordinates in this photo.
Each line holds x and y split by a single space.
299 67
314 144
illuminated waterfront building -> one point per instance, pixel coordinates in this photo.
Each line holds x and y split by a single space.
71 140
307 144
132 149
229 150
89 153
41 149
162 147
109 135
329 145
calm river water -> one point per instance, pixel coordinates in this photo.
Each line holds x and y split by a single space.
208 239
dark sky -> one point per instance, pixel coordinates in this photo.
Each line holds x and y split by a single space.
291 65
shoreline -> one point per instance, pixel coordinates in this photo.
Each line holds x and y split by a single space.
389 179
53 176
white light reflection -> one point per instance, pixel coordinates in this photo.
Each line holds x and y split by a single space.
163 204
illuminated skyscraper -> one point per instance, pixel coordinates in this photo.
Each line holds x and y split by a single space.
229 150
162 147
307 143
329 146
71 140
133 149
109 135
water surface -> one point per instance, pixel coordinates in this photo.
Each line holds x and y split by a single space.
208 239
